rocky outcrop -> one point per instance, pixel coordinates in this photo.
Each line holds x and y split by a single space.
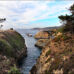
12 49
42 35
41 43
57 56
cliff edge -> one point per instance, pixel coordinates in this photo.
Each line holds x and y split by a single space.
12 49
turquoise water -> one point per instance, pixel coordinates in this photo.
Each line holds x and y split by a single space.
33 52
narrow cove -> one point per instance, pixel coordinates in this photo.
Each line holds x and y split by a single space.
32 51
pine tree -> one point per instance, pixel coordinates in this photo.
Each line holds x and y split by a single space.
69 19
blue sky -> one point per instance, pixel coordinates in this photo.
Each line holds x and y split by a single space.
30 14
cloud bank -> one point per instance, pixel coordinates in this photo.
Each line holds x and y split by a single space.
29 14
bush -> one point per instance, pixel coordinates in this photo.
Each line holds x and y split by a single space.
60 29
14 70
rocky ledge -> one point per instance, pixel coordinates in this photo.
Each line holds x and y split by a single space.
12 50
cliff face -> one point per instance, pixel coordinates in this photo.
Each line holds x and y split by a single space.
12 49
57 56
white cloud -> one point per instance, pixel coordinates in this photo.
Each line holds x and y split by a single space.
24 12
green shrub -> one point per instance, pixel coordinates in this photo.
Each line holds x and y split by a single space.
60 30
14 70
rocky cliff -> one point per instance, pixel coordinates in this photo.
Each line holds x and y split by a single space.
12 49
57 56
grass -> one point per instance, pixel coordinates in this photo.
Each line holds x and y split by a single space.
15 40
11 43
5 47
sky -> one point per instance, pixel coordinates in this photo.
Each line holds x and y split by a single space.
32 14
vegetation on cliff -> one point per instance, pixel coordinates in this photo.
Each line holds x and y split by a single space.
12 49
